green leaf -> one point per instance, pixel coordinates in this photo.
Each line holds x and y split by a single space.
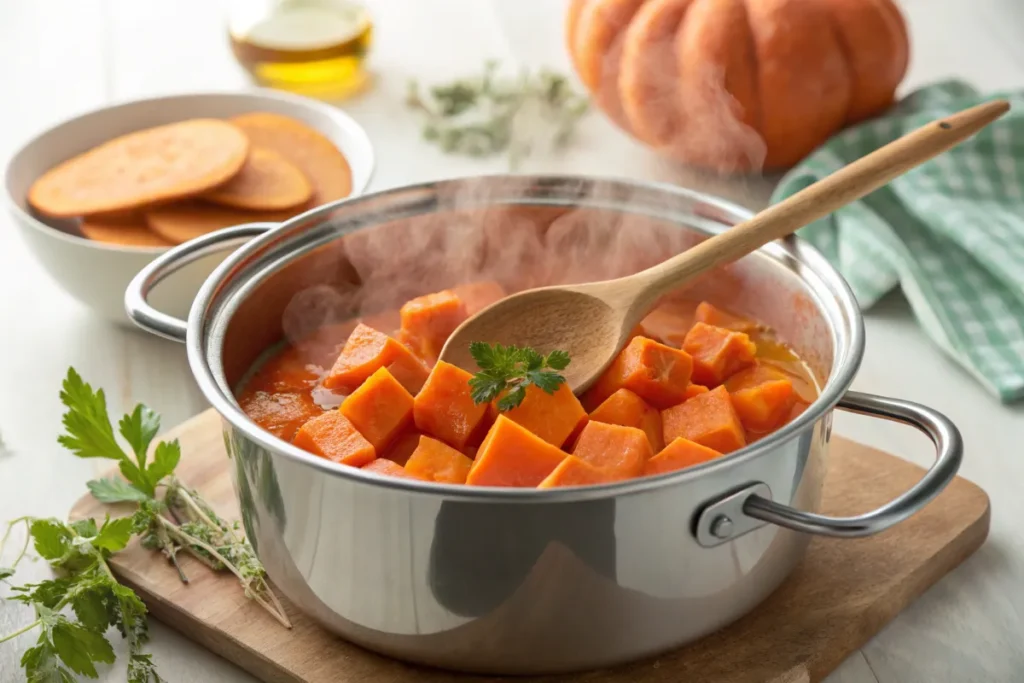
79 648
164 461
558 360
6 573
41 665
142 670
512 399
484 387
52 539
114 534
85 527
86 423
139 429
545 380
46 593
135 476
113 490
90 606
483 354
507 371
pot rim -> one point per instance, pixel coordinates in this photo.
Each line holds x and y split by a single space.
839 380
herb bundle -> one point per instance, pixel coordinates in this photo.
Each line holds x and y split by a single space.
489 114
168 517
506 371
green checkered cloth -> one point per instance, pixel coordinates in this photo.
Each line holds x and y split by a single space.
950 233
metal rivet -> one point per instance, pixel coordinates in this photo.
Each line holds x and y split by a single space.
721 527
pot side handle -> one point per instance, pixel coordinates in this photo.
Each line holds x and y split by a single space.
136 297
949 452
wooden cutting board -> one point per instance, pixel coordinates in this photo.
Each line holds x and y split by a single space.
844 592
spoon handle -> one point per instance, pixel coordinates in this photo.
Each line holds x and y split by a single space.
820 199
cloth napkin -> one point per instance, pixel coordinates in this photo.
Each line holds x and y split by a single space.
950 233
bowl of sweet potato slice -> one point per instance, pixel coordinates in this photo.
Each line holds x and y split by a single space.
493 521
98 196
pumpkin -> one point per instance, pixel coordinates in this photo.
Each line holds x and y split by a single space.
738 85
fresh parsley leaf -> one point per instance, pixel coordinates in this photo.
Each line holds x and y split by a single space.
164 461
113 490
51 538
114 534
6 573
85 527
90 604
507 371
79 648
139 429
89 434
47 593
42 666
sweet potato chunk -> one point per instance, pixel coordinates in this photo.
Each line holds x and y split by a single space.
656 373
380 409
436 461
281 414
717 353
365 352
552 417
619 451
444 408
332 436
427 322
479 295
709 315
575 472
708 419
629 410
512 455
410 372
666 326
402 447
762 397
389 469
679 454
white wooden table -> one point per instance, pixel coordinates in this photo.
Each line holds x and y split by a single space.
62 57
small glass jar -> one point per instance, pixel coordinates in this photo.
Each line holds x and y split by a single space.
312 47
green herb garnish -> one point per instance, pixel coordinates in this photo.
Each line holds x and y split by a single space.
487 115
168 517
506 371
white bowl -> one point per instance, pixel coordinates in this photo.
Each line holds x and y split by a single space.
96 273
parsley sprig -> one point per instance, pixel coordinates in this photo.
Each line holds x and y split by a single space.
506 371
169 517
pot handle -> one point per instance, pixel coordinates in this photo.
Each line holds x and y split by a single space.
136 297
949 451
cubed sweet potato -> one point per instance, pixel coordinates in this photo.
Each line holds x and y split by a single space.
552 417
389 468
410 372
281 414
332 436
708 419
709 315
653 371
479 295
402 447
575 472
629 410
380 409
694 390
679 454
665 325
444 408
512 455
365 352
717 353
427 322
619 451
763 397
436 461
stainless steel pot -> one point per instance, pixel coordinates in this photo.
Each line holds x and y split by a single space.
524 581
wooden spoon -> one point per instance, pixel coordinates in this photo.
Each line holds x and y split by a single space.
593 321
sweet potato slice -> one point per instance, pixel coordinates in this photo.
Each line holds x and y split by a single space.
679 454
380 409
708 419
762 396
656 373
402 447
332 436
709 315
436 461
552 417
575 472
427 322
619 451
365 352
389 469
717 353
479 295
512 455
629 410
444 408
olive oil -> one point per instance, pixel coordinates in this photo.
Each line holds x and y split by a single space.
312 47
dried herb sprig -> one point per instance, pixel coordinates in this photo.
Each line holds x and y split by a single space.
488 114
